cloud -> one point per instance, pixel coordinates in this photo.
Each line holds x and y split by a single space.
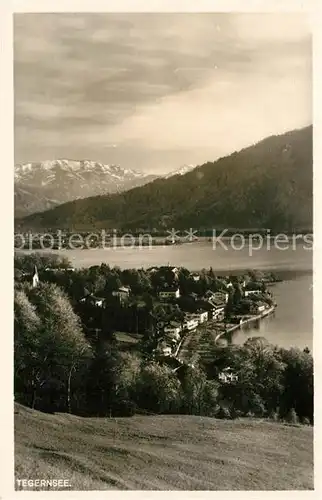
202 118
272 28
162 87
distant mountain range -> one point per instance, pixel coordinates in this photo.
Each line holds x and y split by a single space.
181 171
44 185
267 185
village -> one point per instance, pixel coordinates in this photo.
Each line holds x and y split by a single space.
166 308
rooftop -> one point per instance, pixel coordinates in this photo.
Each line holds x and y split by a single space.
170 289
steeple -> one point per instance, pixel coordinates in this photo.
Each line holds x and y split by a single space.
35 278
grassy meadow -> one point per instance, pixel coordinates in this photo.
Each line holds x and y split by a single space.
163 452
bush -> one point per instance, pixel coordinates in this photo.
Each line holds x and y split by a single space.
236 413
274 415
223 412
292 417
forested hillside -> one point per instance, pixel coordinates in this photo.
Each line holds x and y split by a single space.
268 185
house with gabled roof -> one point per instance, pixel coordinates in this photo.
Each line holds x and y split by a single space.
123 293
93 300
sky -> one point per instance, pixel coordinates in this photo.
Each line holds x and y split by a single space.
154 92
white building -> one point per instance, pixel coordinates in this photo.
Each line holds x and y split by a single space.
201 317
173 331
227 376
173 337
60 269
190 323
218 312
98 302
257 308
94 301
35 278
252 292
216 297
123 292
169 293
221 297
164 349
172 328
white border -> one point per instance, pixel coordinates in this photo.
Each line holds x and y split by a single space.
164 6
6 199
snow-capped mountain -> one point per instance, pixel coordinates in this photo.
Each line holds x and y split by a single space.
181 171
48 171
43 185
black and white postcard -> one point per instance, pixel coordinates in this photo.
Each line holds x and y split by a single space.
162 306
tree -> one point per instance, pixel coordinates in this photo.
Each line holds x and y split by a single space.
129 372
75 362
259 386
157 319
187 303
79 286
200 396
266 374
297 382
29 359
103 378
229 309
112 283
211 273
148 299
130 369
244 306
238 294
63 344
27 262
158 389
137 280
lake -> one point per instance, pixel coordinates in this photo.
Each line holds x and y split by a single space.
291 324
194 256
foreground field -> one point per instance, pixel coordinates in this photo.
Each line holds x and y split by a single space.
163 452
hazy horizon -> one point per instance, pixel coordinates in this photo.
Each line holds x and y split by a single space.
153 92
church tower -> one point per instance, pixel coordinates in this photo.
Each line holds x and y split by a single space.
35 278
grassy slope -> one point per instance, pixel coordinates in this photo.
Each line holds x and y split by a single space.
163 452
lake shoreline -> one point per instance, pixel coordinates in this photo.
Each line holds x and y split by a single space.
249 320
